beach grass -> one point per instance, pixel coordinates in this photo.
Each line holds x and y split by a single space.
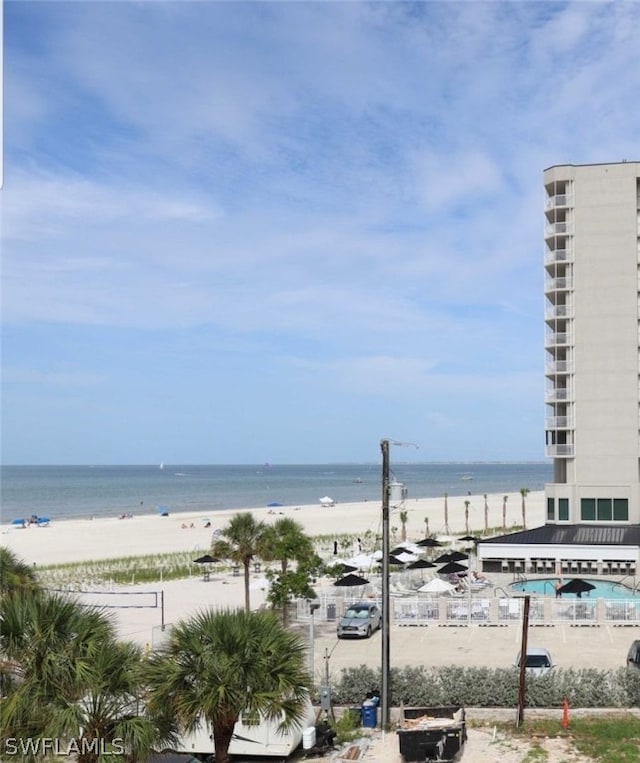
177 565
128 570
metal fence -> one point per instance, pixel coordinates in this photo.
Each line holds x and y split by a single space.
496 611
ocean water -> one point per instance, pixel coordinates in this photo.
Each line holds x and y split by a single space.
71 492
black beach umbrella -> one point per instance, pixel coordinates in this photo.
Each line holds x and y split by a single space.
577 586
428 543
344 568
420 564
451 556
351 580
452 567
469 539
206 559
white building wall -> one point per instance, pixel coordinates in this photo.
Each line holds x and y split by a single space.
603 337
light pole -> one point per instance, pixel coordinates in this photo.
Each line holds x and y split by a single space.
313 606
385 689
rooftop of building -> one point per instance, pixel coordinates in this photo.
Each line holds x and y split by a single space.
592 164
576 535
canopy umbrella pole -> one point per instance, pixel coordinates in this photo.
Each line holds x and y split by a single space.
385 698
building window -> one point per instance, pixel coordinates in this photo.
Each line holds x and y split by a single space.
563 509
620 510
588 509
602 509
551 508
605 513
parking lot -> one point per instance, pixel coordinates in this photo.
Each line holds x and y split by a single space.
602 647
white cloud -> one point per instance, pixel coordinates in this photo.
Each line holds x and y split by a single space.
355 186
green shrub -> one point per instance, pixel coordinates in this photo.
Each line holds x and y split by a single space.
347 727
420 686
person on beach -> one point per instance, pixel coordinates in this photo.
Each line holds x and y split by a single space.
558 586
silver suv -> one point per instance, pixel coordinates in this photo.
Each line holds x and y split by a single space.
360 619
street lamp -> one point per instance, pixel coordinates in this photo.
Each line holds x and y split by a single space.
385 631
385 689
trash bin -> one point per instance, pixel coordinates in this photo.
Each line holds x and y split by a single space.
430 744
369 715
331 611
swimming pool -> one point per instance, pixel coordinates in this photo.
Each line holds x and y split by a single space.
604 589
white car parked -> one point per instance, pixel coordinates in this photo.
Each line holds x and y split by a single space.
538 661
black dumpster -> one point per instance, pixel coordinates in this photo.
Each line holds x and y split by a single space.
431 745
432 734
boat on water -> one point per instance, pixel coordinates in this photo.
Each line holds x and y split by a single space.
358 481
467 477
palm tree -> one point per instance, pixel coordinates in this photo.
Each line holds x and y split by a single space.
404 518
240 541
466 516
284 541
446 514
74 680
486 515
505 498
524 492
219 664
17 576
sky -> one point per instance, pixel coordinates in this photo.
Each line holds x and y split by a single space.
281 232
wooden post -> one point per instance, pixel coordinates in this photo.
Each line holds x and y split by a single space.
523 662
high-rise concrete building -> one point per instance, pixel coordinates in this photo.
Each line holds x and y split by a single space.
592 343
592 371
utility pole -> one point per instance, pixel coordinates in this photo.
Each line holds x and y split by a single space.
523 662
385 688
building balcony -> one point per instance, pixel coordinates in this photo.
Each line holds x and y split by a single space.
552 423
557 339
557 229
559 200
558 311
560 395
557 256
558 367
558 284
559 451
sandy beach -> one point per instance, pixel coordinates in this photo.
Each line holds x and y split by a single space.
108 538
166 602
